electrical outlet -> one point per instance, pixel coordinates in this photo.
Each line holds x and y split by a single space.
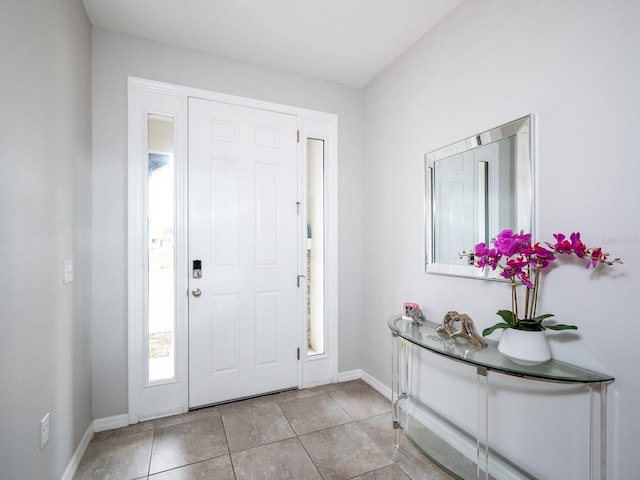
44 431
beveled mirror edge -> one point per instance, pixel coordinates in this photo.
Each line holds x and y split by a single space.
492 135
475 141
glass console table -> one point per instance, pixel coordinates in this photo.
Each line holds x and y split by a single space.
462 454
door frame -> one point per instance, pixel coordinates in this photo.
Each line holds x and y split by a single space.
148 96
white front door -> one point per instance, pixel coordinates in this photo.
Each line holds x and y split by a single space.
454 194
243 228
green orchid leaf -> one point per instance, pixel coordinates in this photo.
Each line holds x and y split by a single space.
540 318
508 316
490 330
561 326
530 326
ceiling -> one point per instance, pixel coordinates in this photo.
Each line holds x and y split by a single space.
344 41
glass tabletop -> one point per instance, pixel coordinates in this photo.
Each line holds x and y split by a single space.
489 357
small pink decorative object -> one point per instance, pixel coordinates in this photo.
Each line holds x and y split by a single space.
412 312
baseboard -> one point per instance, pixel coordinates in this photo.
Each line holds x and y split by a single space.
376 384
72 467
109 423
366 378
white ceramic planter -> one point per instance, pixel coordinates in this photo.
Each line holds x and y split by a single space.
524 348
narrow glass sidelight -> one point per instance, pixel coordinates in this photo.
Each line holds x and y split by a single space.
315 248
482 201
160 331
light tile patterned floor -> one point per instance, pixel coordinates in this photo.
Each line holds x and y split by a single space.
340 431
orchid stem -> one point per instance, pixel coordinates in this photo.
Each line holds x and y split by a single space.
514 300
536 283
527 300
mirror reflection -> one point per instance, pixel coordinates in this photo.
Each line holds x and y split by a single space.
474 189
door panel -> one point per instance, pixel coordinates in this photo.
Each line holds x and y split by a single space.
454 192
243 327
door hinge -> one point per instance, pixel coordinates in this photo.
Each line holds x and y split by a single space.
298 353
298 279
298 136
298 207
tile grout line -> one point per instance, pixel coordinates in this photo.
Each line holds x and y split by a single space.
226 441
298 438
153 441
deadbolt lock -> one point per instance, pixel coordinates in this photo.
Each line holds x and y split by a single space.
197 269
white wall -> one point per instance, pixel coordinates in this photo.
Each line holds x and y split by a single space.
576 64
45 217
116 56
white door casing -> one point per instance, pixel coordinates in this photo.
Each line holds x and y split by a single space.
147 96
243 227
153 399
322 369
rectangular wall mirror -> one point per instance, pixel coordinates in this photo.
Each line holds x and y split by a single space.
474 189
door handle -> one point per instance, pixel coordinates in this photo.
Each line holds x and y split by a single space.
196 292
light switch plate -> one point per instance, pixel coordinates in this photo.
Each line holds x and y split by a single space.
68 271
44 431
